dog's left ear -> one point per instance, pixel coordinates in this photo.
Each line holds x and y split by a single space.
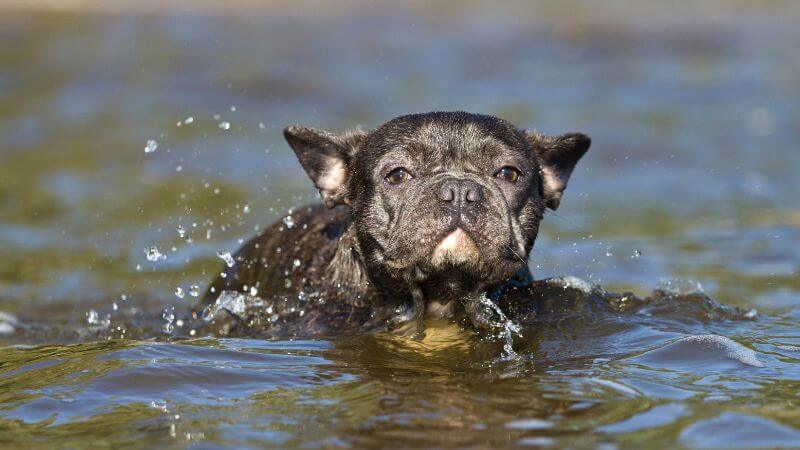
557 157
325 157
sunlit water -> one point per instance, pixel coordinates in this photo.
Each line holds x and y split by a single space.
139 151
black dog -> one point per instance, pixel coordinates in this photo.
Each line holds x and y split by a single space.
437 211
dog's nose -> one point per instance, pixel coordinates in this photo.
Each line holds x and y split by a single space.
460 192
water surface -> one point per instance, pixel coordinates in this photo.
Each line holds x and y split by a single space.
692 176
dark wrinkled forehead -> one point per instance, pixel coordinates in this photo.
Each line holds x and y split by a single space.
446 134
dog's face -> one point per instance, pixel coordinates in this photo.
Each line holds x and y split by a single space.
442 193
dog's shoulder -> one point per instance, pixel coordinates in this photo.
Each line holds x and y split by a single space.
293 251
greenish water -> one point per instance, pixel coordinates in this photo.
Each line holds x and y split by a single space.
692 176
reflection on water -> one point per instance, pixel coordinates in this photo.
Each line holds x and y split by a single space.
138 150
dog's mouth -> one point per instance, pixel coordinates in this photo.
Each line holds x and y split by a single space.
457 247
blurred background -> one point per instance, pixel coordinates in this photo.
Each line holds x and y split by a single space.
130 125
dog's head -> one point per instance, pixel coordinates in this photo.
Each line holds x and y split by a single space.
443 192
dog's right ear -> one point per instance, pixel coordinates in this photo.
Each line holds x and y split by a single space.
325 157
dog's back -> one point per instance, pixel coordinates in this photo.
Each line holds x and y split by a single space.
292 266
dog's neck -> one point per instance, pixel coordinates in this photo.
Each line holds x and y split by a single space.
347 270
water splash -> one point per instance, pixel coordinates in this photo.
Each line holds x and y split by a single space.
680 287
7 323
235 303
226 256
93 318
509 328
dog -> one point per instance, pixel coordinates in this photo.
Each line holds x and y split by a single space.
426 216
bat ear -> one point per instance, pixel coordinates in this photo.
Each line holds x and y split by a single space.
325 157
558 156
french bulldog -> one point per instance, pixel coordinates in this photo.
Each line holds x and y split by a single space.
426 216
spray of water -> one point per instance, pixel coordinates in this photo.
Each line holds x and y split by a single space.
508 327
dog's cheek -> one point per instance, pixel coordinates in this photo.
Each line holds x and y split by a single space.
530 217
373 218
413 218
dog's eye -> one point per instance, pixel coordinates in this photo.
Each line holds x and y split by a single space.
508 173
398 176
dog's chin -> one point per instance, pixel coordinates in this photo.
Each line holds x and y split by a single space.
457 255
457 248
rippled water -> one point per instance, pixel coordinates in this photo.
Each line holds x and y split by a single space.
137 150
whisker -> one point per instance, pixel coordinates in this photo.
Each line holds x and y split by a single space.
514 252
568 222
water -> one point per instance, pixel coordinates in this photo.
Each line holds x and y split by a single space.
692 176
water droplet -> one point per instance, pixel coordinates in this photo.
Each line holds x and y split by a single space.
194 290
169 317
225 125
226 256
153 254
253 291
288 221
179 292
92 317
296 263
181 231
636 254
261 126
188 120
246 209
150 146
